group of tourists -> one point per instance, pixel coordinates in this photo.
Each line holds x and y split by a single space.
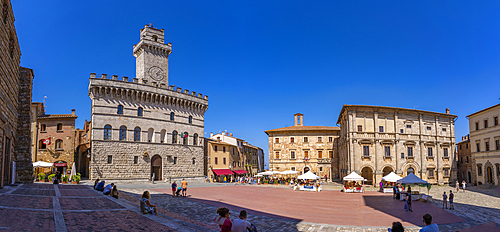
109 189
178 190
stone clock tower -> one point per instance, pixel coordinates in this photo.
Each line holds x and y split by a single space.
151 55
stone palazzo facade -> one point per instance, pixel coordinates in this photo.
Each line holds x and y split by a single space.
15 102
484 139
143 127
304 148
375 140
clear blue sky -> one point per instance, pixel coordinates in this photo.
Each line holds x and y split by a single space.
262 61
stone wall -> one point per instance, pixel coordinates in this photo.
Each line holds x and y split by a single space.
122 166
24 163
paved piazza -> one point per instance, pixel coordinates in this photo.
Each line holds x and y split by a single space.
47 207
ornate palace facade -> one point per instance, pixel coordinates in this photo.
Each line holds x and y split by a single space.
375 140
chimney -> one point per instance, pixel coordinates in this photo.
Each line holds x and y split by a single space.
231 134
447 111
73 111
211 134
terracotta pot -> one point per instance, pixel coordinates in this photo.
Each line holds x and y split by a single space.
74 182
65 182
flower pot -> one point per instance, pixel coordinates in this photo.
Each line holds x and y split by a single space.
73 182
265 183
65 182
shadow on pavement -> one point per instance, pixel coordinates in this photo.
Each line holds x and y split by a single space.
204 211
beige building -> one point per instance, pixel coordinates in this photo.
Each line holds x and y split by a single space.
304 148
376 140
144 127
15 101
485 145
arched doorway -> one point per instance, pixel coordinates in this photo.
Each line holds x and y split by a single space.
410 170
367 173
306 169
489 175
469 177
156 167
387 170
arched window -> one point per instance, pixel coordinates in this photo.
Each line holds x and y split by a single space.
195 139
139 111
185 138
107 132
123 133
137 134
174 137
59 144
163 138
172 116
59 127
41 145
190 119
120 109
151 137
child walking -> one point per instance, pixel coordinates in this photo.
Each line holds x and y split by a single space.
444 200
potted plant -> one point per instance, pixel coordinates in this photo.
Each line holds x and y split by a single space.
65 179
41 177
265 182
275 182
75 179
51 176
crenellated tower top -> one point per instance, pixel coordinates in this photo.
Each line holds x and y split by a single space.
151 55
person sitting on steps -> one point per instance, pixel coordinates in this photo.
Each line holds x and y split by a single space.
100 186
108 188
146 206
114 192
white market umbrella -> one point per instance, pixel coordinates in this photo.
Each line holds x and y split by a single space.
392 177
287 172
41 164
353 177
276 172
308 176
258 175
73 170
268 173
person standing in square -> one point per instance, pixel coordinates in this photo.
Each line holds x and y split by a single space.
184 187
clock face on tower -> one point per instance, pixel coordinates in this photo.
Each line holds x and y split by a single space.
156 73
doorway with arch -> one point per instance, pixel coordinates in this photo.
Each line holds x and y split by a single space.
156 167
367 173
387 170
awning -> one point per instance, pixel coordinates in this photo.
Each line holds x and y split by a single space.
223 172
240 171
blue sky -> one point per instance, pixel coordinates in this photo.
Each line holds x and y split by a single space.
262 61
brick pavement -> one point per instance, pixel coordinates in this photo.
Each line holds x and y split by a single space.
48 207
266 221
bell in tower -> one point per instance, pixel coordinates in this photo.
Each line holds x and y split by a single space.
151 56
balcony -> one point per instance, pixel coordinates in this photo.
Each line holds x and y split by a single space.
324 160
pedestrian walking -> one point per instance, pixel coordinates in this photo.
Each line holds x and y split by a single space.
444 200
457 185
410 208
463 185
184 187
174 188
451 200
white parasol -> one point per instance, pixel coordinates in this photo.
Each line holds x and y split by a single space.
41 164
308 176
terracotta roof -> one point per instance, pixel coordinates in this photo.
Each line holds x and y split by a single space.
483 110
304 128
218 142
50 116
392 108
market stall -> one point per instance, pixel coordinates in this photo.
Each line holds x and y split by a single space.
391 178
309 182
412 179
351 183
